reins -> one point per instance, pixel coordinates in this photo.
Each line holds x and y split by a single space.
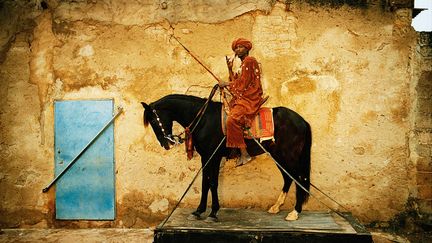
200 113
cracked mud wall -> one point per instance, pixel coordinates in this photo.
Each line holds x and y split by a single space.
346 69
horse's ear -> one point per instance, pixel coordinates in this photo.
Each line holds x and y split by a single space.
145 118
147 107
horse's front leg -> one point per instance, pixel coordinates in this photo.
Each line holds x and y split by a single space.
205 186
214 182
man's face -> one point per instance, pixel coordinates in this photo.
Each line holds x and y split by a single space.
240 51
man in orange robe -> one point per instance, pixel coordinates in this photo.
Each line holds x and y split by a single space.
246 89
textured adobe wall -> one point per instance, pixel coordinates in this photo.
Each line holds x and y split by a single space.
347 70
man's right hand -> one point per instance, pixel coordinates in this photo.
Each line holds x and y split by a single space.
229 62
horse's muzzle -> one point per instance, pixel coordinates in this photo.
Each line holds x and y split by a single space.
166 146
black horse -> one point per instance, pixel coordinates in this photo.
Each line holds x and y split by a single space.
290 148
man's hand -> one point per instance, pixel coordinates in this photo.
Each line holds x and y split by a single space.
229 62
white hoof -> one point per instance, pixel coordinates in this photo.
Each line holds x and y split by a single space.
292 216
193 217
274 209
211 220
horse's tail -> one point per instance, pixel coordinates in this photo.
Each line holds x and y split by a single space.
305 163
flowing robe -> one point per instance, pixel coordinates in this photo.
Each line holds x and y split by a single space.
247 97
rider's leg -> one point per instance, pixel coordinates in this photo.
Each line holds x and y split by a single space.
244 157
235 139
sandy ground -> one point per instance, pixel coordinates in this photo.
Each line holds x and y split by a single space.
120 235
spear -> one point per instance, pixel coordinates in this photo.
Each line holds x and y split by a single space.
196 58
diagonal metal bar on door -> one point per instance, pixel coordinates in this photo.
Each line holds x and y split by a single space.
120 109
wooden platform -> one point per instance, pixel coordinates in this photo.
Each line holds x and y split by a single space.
243 225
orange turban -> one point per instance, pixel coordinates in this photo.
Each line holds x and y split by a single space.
243 42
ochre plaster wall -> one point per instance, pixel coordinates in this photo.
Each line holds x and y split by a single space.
346 70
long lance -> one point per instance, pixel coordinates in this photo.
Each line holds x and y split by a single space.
196 59
224 99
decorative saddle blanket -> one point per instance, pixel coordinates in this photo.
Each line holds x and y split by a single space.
262 126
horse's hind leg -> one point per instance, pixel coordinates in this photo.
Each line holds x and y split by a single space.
301 198
282 196
302 176
294 214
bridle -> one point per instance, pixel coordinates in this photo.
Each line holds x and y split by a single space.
175 139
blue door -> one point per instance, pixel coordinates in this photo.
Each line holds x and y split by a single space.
87 190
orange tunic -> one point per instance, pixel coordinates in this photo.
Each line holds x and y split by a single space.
247 97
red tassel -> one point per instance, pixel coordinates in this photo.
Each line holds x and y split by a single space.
189 144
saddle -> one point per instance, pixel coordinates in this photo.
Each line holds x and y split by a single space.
262 125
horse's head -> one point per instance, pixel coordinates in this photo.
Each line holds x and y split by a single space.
160 121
